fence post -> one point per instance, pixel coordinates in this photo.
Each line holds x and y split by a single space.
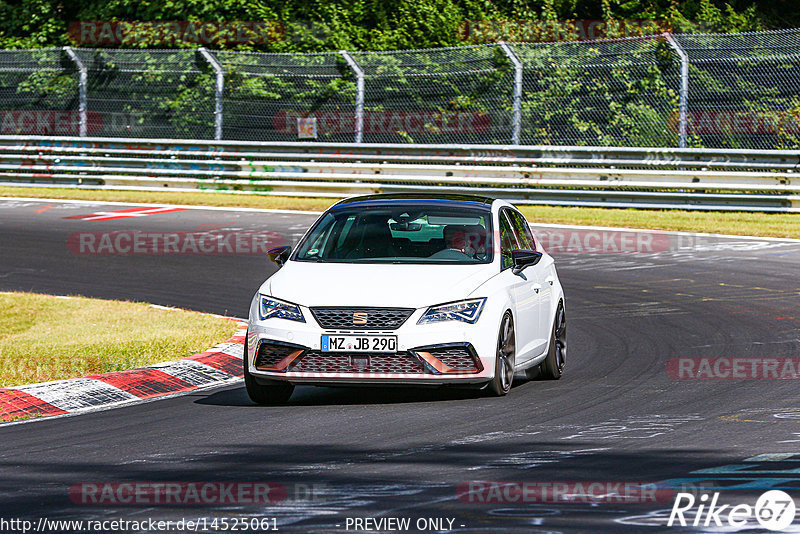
359 94
219 87
683 105
517 117
83 79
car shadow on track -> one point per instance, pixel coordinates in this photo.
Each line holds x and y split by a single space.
363 479
332 396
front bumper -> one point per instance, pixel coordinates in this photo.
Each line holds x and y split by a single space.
434 354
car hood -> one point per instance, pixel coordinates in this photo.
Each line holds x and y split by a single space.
347 284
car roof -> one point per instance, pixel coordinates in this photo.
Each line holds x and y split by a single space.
414 198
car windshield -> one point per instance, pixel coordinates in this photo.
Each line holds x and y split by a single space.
400 234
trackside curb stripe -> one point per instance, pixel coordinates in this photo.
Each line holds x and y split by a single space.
195 373
227 363
216 366
15 403
77 393
144 383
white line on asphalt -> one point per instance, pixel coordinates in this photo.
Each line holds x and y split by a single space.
213 208
301 212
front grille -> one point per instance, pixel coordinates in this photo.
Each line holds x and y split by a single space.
343 362
457 358
337 318
269 354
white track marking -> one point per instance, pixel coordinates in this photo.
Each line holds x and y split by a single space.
304 212
77 393
185 206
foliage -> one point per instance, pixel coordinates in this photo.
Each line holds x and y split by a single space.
418 90
330 25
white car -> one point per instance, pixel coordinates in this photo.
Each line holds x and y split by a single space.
407 289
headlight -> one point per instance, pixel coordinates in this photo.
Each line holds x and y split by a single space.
271 307
466 311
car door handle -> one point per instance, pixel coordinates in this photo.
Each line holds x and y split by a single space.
550 280
537 287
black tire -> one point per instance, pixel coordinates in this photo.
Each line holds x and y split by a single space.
504 361
553 365
261 394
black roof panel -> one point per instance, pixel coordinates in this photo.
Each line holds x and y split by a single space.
455 197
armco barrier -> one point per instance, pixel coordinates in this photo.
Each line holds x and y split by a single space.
707 179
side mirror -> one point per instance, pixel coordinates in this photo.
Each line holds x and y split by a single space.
524 258
279 255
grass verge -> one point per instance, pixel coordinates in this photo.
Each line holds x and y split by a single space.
46 338
735 223
18 418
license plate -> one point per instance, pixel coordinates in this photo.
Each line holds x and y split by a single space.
359 343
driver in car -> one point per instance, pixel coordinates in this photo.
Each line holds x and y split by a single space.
467 239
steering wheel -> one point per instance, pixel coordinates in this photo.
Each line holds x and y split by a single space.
449 254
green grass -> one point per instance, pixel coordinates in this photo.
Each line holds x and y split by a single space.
735 223
46 338
17 418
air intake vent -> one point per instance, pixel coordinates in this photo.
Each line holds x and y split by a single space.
355 318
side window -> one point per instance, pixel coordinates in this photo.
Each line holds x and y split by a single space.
319 243
313 249
344 231
507 241
522 230
340 234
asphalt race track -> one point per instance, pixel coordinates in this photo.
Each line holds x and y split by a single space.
341 454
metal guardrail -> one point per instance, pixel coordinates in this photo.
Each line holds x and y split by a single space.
707 179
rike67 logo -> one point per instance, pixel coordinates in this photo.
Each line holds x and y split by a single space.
774 510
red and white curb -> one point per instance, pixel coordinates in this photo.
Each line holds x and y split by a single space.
215 366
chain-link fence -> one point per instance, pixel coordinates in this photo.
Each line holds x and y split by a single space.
462 95
148 93
616 92
720 90
266 94
743 89
39 89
